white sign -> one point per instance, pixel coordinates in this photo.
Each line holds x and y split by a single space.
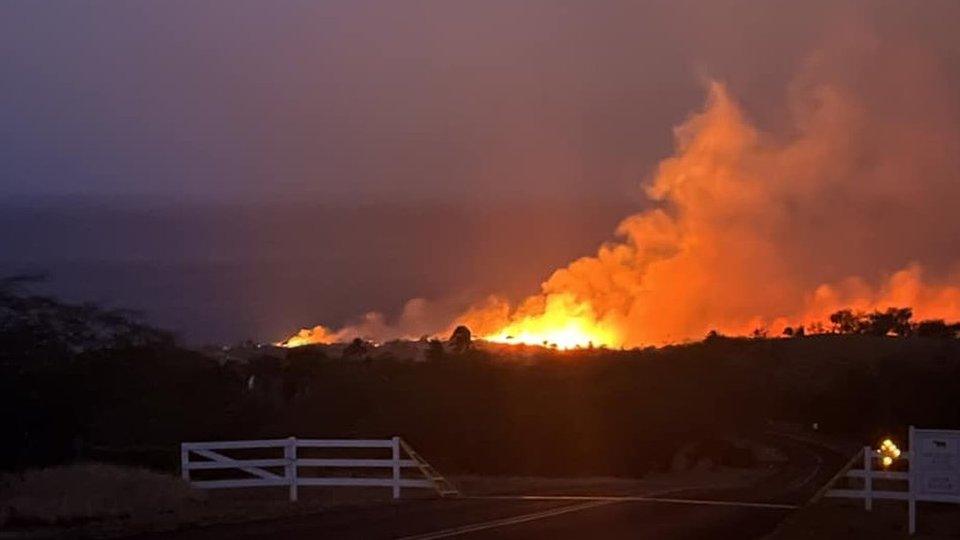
936 459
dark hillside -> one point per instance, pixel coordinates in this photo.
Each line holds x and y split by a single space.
582 412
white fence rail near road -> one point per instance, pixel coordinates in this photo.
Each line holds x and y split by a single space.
286 470
933 472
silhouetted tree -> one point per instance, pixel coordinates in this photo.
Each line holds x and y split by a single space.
846 321
435 350
937 328
33 326
894 321
355 349
460 340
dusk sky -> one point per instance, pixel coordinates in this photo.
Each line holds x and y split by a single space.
347 101
239 169
552 269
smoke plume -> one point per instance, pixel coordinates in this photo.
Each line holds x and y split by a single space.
850 204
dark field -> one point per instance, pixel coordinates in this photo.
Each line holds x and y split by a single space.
597 412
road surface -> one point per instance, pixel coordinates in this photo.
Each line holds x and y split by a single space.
749 512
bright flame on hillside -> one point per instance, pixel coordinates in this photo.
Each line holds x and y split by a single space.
563 324
747 231
308 336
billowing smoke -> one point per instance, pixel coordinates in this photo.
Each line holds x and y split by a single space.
418 318
852 203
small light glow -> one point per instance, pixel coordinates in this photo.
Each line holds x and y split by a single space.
888 452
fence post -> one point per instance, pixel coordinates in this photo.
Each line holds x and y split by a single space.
184 462
911 483
396 467
868 478
290 470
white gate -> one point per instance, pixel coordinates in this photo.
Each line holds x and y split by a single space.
286 469
933 475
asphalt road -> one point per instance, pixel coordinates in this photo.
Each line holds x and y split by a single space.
679 515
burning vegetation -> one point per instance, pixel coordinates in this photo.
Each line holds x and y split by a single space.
749 230
591 407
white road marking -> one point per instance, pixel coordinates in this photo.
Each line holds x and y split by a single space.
705 502
588 502
455 531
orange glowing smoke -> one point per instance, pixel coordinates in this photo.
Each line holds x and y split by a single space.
558 320
744 229
309 336
710 257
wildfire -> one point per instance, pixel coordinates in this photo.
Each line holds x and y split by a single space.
740 237
563 324
309 336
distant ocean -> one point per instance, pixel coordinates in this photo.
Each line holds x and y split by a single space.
220 274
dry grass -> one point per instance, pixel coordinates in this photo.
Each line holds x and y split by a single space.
105 501
99 500
88 492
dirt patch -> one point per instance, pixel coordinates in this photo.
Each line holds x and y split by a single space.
97 500
100 500
85 493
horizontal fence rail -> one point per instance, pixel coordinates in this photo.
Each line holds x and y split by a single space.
944 468
259 475
868 474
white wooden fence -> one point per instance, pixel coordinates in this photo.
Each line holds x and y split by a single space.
869 473
912 491
258 473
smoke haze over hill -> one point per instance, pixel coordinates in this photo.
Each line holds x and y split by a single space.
753 229
822 172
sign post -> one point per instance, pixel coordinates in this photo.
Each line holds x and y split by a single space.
934 468
912 483
933 474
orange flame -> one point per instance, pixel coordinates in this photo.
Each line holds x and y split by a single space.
718 252
564 323
309 336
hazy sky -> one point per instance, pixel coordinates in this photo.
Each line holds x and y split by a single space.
235 100
198 100
340 106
